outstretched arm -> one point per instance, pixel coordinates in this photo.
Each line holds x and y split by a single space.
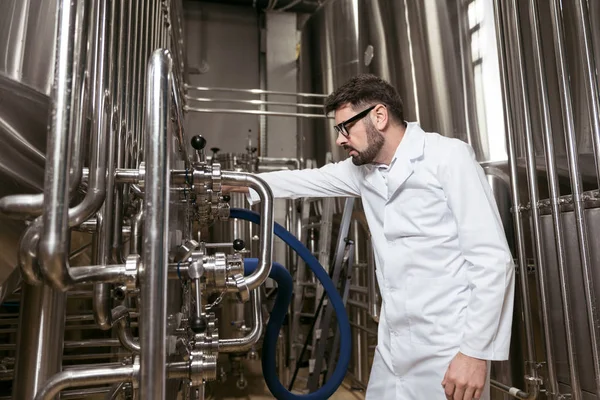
332 180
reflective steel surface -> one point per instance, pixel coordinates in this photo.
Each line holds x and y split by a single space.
448 83
27 45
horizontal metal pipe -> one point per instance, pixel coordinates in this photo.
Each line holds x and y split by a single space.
77 344
96 356
362 328
252 91
253 112
256 102
359 289
124 175
358 304
513 391
85 377
266 223
240 345
102 273
279 161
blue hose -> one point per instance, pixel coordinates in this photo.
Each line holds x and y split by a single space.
279 273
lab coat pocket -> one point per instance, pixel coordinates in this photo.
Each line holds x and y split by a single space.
435 309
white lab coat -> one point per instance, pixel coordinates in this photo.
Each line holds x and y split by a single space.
444 268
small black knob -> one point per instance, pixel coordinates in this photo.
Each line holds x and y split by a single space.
198 324
226 198
198 142
215 149
238 244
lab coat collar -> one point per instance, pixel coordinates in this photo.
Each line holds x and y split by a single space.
401 167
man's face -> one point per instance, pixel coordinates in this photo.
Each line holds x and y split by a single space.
362 140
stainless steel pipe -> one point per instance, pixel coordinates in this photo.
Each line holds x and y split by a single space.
552 174
253 112
266 223
253 102
576 187
57 216
501 21
39 348
244 344
252 91
86 377
154 273
102 299
121 316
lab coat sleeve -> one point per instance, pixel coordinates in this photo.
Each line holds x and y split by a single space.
490 267
331 180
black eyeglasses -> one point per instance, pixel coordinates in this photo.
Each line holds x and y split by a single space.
341 127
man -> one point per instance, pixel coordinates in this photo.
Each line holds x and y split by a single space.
444 268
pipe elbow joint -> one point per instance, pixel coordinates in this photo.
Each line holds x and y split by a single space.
53 262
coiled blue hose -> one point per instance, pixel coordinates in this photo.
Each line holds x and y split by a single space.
280 309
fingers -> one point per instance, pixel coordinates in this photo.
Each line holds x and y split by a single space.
459 392
469 394
449 389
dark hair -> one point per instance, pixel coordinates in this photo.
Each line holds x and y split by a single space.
364 90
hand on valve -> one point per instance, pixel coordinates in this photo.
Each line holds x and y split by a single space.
465 378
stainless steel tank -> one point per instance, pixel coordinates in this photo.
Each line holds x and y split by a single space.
449 83
27 46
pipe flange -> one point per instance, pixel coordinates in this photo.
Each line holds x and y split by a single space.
243 293
141 174
203 367
216 270
135 383
132 269
221 269
216 177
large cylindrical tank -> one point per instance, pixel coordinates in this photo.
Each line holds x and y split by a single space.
27 45
448 78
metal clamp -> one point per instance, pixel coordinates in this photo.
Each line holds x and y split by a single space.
132 267
243 293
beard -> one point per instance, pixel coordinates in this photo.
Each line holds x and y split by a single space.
374 144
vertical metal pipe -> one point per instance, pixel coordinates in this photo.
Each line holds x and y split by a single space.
532 183
139 86
540 75
146 51
576 187
102 298
39 339
590 68
56 179
153 276
372 299
120 87
130 160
